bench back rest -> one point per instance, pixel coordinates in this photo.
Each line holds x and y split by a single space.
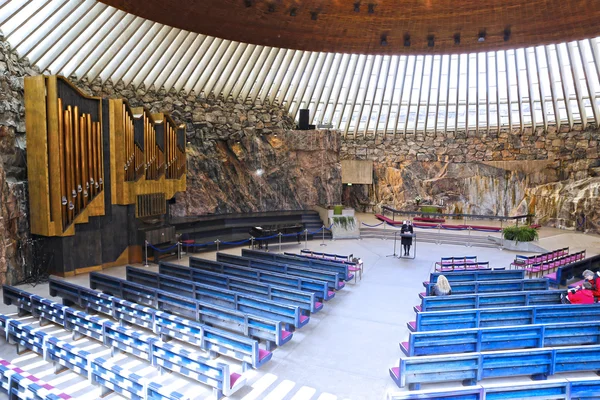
509 285
486 300
461 276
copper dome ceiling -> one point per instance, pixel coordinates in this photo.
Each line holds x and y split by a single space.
379 26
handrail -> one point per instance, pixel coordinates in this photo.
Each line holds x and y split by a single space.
459 215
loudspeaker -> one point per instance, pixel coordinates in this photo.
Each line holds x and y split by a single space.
303 120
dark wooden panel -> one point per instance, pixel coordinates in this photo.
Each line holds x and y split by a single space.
338 28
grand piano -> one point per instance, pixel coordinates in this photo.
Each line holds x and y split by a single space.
259 232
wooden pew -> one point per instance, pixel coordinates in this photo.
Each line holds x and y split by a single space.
505 299
332 278
319 287
483 317
303 299
19 384
473 367
340 268
212 339
509 285
486 275
290 314
207 313
555 390
501 338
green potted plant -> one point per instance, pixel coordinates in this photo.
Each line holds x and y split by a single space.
520 233
418 199
337 210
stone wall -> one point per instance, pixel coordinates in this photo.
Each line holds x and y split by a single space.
16 260
486 172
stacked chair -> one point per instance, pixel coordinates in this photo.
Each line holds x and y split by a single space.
498 324
208 324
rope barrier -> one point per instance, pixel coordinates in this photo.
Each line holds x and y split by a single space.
162 250
266 237
291 234
372 226
236 243
200 244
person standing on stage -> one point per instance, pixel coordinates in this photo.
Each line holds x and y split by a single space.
406 241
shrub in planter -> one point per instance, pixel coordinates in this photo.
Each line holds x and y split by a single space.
346 223
430 209
520 233
337 210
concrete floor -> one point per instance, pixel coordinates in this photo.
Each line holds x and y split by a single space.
346 349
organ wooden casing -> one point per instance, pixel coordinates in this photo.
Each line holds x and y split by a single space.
100 175
65 155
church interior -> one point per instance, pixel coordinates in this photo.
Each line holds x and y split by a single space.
300 200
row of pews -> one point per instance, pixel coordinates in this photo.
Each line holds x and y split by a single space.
507 326
226 316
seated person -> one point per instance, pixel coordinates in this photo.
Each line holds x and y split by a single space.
579 295
594 280
441 287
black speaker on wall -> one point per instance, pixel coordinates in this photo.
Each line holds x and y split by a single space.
303 120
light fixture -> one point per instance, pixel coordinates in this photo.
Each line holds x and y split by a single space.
481 37
349 184
384 41
407 40
357 7
430 41
507 34
293 12
259 172
457 38
371 8
314 15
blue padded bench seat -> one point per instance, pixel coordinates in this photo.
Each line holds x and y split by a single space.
319 287
563 389
208 338
19 384
509 285
501 338
268 308
473 367
340 268
486 317
304 299
486 300
333 279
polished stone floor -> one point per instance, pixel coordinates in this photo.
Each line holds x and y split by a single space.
346 349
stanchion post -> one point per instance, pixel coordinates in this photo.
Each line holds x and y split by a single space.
439 226
469 241
146 253
217 243
305 239
323 242
179 250
279 234
252 242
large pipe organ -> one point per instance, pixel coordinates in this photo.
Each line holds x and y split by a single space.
98 170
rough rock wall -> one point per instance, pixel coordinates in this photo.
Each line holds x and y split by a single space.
229 141
289 170
484 172
16 259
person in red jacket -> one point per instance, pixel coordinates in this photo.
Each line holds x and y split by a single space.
579 295
594 280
